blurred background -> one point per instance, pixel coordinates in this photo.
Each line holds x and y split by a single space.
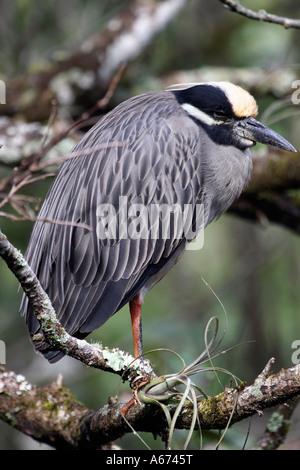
248 270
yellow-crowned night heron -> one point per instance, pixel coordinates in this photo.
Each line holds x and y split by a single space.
188 146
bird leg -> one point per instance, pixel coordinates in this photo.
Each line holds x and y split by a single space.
135 307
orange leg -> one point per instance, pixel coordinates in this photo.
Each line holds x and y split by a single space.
126 407
135 306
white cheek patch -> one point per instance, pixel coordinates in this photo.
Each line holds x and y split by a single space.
247 142
200 115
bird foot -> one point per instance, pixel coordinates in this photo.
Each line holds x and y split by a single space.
128 405
135 399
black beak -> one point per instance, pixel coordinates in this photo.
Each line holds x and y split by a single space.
251 129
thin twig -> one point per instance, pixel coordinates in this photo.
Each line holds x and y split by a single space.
79 153
53 116
83 119
25 167
108 95
261 15
22 183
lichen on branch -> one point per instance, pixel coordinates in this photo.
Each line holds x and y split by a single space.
115 360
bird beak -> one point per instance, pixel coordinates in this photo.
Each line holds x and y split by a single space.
251 129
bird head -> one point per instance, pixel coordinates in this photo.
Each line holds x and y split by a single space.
227 112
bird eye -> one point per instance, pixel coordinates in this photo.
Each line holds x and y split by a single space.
220 116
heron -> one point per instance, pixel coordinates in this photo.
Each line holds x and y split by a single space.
185 147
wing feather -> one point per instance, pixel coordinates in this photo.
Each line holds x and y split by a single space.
138 151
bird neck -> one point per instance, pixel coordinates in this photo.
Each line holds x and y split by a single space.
227 171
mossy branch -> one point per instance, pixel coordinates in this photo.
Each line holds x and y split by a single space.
109 360
52 416
273 192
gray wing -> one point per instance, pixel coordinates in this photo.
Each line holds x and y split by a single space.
128 153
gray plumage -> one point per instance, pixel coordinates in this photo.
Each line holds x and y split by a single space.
152 151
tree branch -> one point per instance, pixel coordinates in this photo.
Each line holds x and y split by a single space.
48 414
86 429
275 171
261 15
273 192
115 360
268 390
51 415
90 68
278 426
